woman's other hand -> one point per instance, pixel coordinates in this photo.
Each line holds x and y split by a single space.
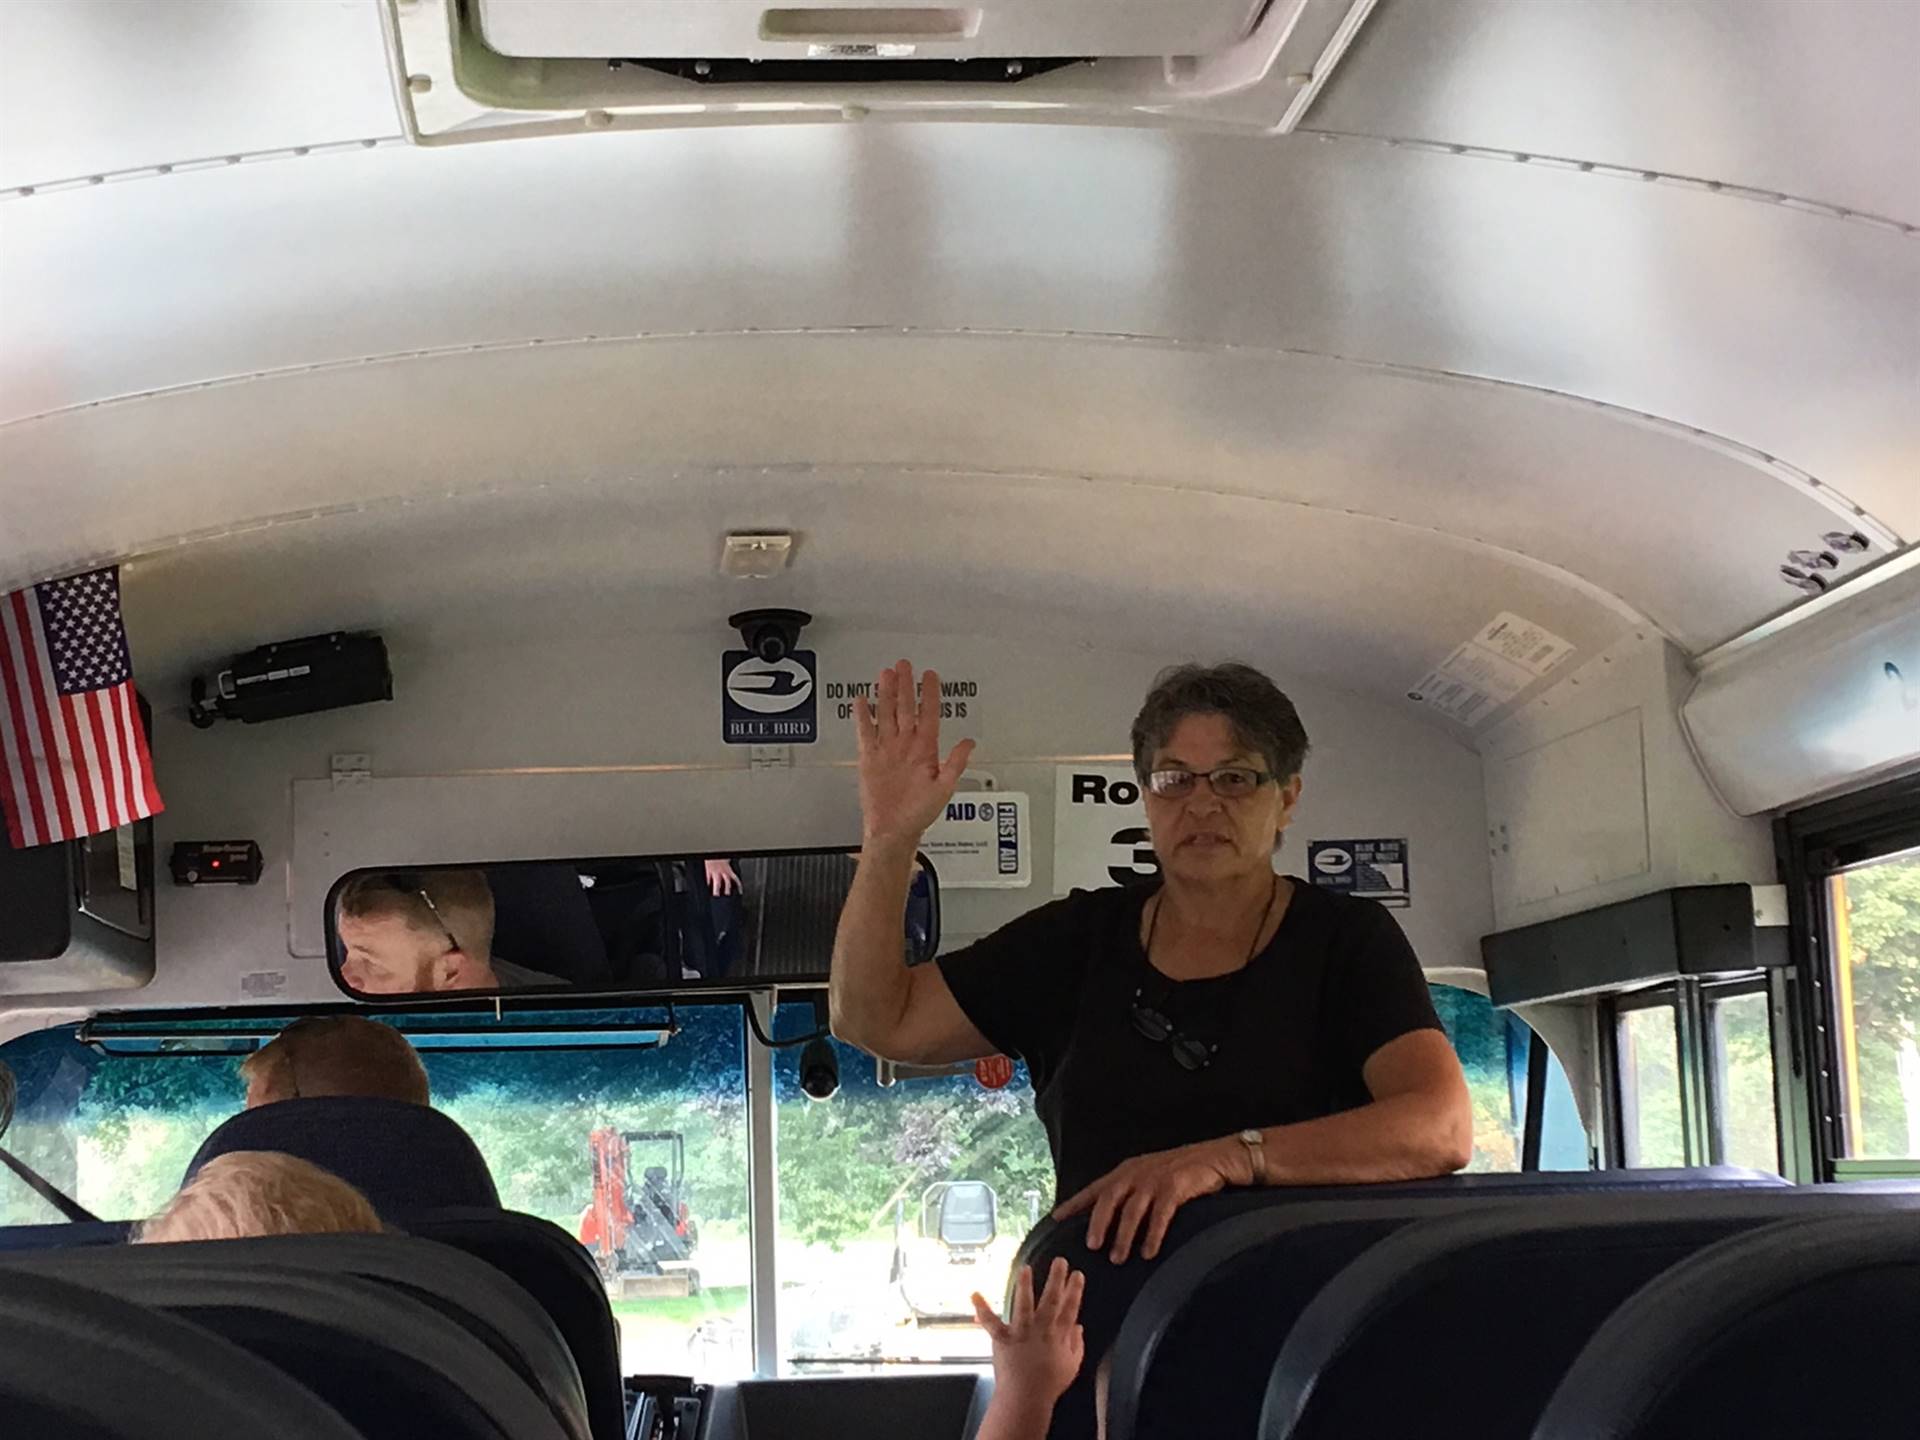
1036 1351
1138 1198
722 878
904 786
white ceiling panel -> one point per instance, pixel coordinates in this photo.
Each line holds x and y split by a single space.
93 87
1795 335
1818 99
1626 516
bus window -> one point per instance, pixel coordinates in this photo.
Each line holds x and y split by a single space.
114 1133
1740 1042
1652 1120
896 1204
1875 917
1492 1046
561 1123
664 1131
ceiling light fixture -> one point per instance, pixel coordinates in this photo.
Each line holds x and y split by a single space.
756 554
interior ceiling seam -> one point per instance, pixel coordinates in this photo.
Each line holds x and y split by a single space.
1807 205
1588 589
1783 471
1822 209
195 164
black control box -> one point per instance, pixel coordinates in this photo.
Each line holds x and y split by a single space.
296 677
216 862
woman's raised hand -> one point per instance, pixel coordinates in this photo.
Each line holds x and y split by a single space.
904 785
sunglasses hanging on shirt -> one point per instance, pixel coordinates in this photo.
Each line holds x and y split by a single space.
1150 1018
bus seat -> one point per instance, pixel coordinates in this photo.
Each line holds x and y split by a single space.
400 1155
1433 1304
392 1365
474 1294
855 1407
1805 1327
51 1237
81 1365
1166 1319
554 1268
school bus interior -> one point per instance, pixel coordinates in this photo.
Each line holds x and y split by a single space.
514 436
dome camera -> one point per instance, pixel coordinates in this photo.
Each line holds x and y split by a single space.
770 634
819 1070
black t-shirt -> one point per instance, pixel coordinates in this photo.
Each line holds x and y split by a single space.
1056 988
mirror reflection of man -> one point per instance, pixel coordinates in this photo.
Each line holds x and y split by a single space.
424 932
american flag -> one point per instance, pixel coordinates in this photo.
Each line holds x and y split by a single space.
73 754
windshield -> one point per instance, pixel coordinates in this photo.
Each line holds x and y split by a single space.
117 1131
894 1202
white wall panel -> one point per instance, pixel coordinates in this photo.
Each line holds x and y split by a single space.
1566 778
596 703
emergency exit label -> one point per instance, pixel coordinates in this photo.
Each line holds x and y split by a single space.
1371 869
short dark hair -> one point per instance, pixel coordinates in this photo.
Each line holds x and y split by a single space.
1262 717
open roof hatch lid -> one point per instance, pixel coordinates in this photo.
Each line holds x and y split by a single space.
849 29
474 69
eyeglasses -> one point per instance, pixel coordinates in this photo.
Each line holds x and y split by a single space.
408 883
1189 1053
1229 782
453 942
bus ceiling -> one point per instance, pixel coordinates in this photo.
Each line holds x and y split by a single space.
1330 332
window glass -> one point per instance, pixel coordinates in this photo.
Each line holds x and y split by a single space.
1492 1046
1876 923
897 1203
1744 1099
660 1134
117 1132
1650 1111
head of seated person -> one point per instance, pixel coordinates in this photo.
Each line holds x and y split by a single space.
414 933
330 1055
251 1193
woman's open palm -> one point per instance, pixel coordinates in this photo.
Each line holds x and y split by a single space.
904 785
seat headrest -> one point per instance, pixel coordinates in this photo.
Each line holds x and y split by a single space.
401 1156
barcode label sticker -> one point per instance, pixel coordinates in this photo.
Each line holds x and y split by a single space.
1488 670
1456 699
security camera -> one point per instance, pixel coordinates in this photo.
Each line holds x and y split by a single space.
770 634
819 1070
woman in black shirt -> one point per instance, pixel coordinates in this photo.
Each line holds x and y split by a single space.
1231 1027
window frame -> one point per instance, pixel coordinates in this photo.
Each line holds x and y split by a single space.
1622 1111
1813 844
1713 993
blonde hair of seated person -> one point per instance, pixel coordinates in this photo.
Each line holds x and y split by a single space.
248 1193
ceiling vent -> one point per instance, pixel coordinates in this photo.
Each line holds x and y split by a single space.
470 68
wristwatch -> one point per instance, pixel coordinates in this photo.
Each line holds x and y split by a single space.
1256 1143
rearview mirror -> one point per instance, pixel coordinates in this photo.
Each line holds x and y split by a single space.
635 924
